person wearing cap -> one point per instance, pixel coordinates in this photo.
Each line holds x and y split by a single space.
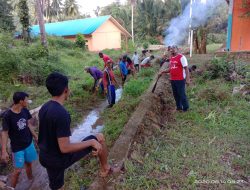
105 59
17 126
97 75
109 83
123 69
179 75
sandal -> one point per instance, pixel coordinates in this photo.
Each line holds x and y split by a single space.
111 170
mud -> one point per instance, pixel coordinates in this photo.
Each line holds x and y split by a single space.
154 111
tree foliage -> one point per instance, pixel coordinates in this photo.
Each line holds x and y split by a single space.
6 17
71 9
80 41
23 13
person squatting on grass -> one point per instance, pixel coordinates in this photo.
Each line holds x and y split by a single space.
179 75
57 153
97 75
17 127
109 83
123 69
105 59
147 62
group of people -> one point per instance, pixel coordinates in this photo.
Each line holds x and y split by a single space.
105 79
56 152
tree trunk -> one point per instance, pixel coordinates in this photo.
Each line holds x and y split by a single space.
203 46
196 42
40 19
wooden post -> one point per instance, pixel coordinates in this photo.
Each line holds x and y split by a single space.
126 39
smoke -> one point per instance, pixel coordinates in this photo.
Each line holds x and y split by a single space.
202 12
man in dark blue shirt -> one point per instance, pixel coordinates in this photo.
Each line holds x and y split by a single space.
16 126
57 153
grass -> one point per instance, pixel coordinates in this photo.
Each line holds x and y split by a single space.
211 48
114 119
210 142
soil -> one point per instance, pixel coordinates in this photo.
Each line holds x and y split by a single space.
153 113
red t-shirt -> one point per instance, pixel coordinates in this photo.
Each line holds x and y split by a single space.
106 59
176 67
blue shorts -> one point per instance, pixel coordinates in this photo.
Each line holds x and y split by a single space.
27 155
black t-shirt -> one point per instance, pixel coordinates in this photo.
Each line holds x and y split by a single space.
18 130
54 123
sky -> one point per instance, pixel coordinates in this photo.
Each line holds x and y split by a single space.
87 6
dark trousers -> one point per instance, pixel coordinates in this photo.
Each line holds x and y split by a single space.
111 94
178 87
137 67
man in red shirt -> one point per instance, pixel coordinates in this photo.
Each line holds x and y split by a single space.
105 59
179 75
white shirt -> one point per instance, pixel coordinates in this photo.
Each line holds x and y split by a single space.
135 59
184 63
145 61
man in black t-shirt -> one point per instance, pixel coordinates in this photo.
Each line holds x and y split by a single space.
16 126
57 153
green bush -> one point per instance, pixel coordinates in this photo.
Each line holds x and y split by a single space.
80 41
33 51
60 42
216 38
219 67
145 45
9 61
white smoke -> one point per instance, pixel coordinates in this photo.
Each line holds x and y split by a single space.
202 12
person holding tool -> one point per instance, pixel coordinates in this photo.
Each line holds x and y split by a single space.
97 75
109 84
179 75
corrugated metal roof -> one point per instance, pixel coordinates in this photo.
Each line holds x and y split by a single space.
71 27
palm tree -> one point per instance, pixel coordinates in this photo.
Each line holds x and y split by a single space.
39 11
56 8
132 18
71 9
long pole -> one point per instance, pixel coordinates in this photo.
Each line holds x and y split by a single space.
132 22
191 32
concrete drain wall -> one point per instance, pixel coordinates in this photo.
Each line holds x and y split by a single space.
151 112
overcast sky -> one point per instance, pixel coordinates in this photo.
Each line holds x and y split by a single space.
87 6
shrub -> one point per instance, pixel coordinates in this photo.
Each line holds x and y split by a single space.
8 64
59 42
219 67
33 51
80 41
145 45
213 95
